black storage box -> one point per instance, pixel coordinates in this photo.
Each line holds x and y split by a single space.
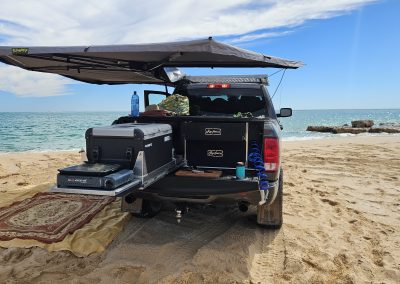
121 143
215 144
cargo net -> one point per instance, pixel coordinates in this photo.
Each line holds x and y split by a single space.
256 158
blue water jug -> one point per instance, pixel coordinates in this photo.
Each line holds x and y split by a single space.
240 170
135 105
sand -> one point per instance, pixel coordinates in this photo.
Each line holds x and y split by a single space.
341 225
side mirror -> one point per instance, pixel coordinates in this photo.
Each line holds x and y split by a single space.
285 112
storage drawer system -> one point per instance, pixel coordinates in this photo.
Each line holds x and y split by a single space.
217 144
121 158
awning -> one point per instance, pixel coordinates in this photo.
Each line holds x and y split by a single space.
138 63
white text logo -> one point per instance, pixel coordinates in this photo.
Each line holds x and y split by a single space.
213 131
215 153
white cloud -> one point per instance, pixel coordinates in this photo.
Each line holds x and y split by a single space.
252 37
75 22
31 84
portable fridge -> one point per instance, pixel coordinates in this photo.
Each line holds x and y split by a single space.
123 144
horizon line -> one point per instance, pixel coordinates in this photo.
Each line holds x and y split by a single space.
76 111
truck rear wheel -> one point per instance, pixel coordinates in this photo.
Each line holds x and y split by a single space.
271 216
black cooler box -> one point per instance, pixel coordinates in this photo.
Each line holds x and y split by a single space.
121 143
215 144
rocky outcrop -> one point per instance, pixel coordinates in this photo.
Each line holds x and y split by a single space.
362 123
384 130
389 124
358 126
389 127
352 130
320 128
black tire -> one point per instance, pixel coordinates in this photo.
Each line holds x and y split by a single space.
149 209
276 207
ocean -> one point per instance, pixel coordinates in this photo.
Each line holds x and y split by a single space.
44 131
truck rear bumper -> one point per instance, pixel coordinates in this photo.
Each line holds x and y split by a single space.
202 190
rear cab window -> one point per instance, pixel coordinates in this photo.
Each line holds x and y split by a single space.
225 101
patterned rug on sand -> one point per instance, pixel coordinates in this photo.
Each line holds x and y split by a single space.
49 217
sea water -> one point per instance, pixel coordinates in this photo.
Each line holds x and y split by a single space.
294 127
43 131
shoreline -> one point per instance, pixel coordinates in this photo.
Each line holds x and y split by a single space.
350 138
41 151
334 137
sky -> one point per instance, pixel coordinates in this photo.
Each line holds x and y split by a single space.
350 47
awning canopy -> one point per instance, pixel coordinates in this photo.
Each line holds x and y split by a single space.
138 63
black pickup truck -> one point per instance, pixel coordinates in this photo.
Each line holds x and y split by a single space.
213 137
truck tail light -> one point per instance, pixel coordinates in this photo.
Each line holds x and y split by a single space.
218 86
271 154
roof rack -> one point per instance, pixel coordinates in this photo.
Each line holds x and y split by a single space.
259 79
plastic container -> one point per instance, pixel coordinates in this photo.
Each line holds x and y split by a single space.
240 170
135 105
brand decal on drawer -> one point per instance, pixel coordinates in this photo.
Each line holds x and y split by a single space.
215 153
213 131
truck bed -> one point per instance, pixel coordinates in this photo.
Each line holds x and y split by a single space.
255 125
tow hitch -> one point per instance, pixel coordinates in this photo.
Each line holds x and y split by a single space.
178 215
180 210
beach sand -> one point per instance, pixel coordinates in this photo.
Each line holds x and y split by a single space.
341 225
